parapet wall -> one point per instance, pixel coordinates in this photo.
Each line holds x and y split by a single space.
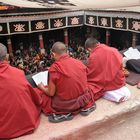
109 121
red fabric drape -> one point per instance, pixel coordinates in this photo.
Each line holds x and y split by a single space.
19 103
69 76
104 70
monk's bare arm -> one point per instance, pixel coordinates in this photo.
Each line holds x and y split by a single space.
50 90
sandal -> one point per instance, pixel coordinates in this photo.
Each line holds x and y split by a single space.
86 112
60 118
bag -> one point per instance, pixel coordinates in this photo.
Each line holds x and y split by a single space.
133 65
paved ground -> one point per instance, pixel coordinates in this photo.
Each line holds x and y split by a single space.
110 121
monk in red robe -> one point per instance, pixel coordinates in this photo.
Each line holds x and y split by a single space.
67 92
104 68
19 102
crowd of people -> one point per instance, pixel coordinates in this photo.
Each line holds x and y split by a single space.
32 61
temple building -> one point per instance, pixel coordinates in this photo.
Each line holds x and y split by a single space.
22 27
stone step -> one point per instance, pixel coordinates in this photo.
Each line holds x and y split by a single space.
110 121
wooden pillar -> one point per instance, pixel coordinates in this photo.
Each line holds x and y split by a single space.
66 38
107 37
9 44
134 39
41 43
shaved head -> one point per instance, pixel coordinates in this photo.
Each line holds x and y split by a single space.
59 48
3 52
90 42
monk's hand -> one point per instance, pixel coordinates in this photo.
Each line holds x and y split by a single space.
41 86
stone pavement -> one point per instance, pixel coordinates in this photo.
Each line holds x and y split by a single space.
110 121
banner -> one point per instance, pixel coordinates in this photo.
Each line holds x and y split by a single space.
119 23
39 25
3 28
54 23
72 4
134 24
19 27
58 22
75 21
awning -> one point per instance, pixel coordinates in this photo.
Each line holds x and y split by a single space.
73 4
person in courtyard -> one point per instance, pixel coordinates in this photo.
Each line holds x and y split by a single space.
105 72
20 105
67 92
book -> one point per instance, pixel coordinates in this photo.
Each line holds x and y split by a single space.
132 53
41 77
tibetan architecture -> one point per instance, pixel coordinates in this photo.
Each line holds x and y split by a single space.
28 21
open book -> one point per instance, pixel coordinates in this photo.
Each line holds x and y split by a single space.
132 53
41 77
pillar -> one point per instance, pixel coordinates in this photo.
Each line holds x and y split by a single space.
66 37
134 39
9 44
41 43
107 37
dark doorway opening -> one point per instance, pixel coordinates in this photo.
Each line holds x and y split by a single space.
120 39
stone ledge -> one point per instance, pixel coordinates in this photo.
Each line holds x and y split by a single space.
107 116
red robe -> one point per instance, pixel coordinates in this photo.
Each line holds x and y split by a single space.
104 70
72 94
19 103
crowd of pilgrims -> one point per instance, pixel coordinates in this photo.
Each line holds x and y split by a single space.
31 60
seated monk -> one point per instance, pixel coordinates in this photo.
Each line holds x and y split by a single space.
19 102
67 91
104 72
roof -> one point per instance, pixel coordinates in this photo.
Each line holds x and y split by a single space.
126 5
127 9
126 14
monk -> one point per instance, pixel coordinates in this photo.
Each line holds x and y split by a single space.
67 91
104 71
20 105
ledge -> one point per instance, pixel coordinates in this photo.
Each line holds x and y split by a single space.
98 125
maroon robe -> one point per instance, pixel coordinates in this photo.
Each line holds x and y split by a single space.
72 94
104 70
19 103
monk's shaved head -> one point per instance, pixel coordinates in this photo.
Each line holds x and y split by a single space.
59 48
3 52
90 42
